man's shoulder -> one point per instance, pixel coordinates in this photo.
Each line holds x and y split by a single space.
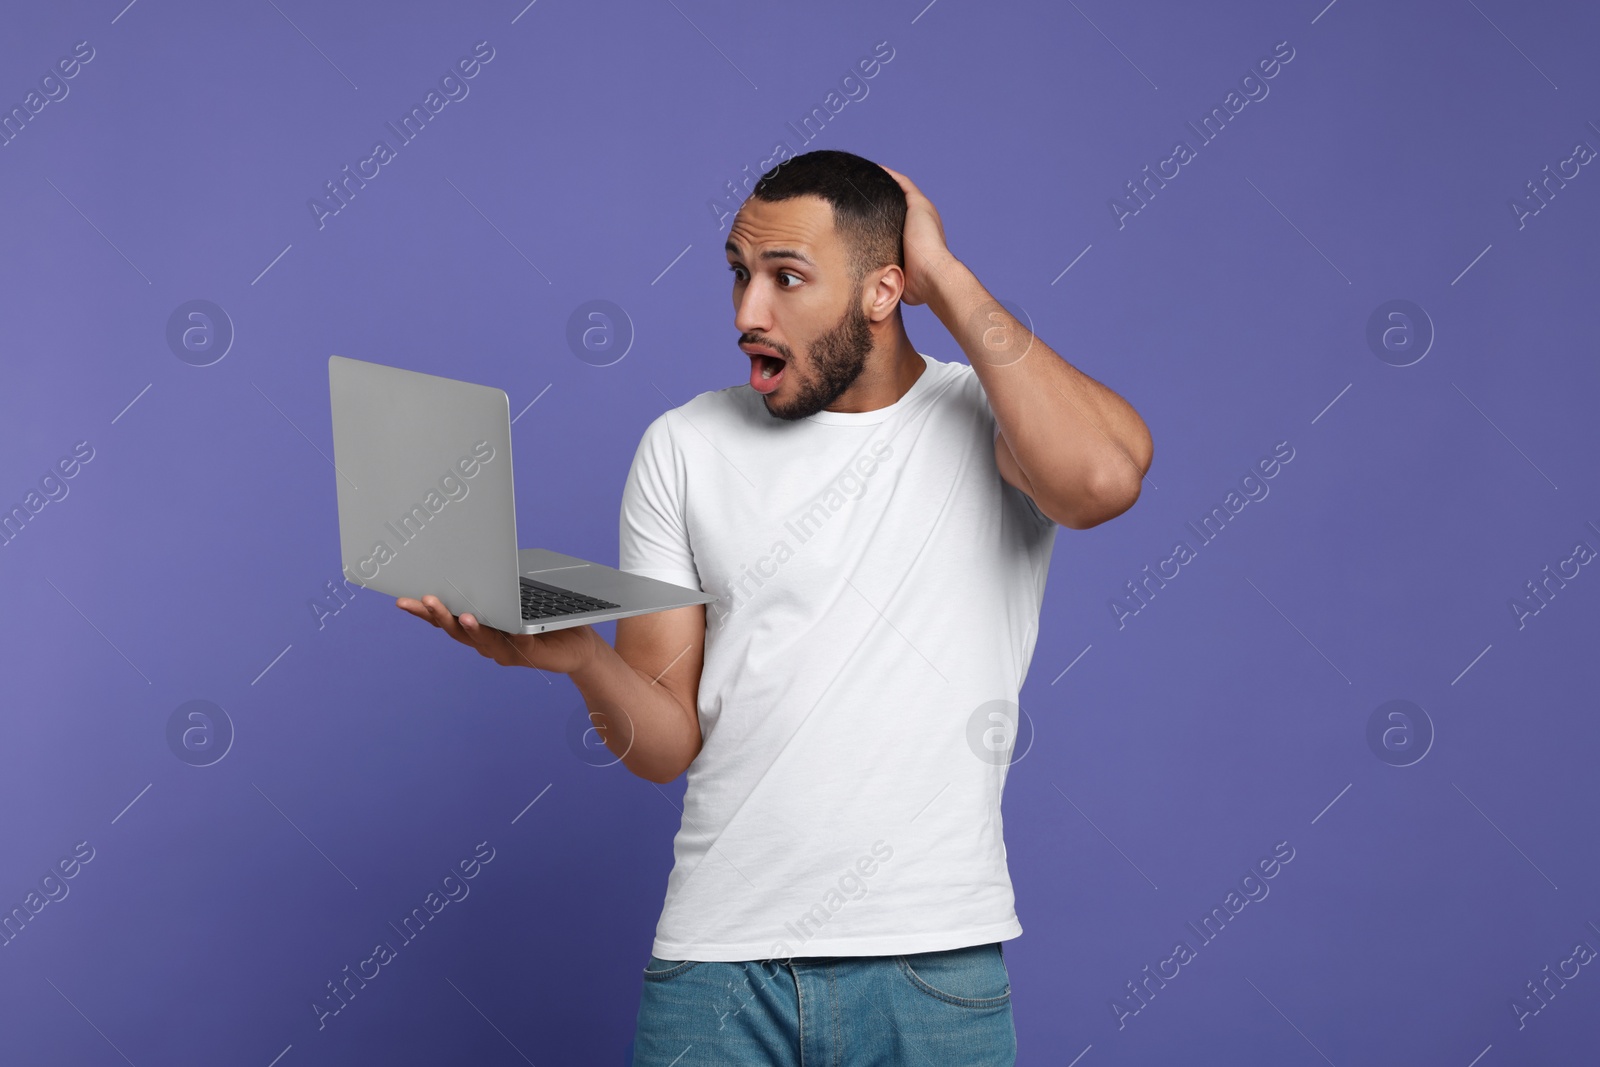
955 384
714 407
949 372
956 368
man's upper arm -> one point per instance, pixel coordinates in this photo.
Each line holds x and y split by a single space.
653 540
669 648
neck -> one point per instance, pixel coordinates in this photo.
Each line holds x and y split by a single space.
891 368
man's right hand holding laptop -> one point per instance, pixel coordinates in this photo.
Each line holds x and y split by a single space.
642 695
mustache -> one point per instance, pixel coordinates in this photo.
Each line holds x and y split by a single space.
746 339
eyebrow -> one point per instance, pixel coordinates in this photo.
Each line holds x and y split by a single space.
775 253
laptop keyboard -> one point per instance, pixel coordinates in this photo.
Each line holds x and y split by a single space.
541 601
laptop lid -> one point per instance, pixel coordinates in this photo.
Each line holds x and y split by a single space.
426 501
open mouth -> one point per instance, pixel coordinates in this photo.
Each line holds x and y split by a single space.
766 372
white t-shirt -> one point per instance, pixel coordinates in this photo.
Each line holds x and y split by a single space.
881 587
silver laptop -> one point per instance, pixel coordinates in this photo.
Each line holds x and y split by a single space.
423 466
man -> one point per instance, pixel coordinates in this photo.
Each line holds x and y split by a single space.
879 524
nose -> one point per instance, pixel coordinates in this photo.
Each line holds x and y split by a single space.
751 311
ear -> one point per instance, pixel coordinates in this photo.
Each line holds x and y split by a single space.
884 289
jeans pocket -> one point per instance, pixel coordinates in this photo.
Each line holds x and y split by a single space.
660 970
972 977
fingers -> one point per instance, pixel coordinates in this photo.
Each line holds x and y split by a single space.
414 607
490 642
432 609
496 644
905 183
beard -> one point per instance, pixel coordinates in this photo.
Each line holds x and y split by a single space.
834 361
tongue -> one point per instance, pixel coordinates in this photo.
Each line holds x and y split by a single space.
765 385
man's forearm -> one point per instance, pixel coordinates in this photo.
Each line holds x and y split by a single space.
639 720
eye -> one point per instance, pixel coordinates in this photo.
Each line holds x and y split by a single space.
738 275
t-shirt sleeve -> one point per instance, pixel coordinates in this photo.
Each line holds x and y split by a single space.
653 536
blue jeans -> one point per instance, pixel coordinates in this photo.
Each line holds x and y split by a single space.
949 1008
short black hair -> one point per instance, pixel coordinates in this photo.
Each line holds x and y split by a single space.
869 207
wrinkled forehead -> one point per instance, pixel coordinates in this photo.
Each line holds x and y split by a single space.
800 228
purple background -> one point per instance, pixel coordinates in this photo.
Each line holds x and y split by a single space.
1231 713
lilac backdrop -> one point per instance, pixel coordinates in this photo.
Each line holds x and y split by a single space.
1442 859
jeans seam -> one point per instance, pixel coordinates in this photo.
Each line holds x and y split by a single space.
833 1001
799 1014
